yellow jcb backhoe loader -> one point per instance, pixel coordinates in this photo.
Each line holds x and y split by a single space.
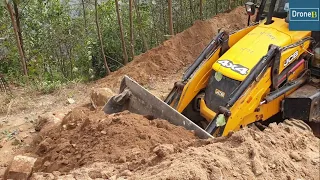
239 79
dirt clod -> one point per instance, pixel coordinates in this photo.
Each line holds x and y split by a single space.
47 121
296 156
99 96
122 159
20 168
257 167
163 150
56 173
126 173
95 174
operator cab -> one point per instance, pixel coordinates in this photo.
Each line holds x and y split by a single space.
266 7
279 9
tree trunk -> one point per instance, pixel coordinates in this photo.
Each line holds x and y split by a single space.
155 28
125 55
170 17
201 13
84 16
216 6
17 16
142 33
181 14
15 29
192 14
162 28
164 20
131 28
71 62
100 38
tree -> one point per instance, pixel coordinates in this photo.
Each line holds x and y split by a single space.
201 13
131 28
229 5
170 17
15 29
216 6
17 17
124 50
100 38
141 30
84 16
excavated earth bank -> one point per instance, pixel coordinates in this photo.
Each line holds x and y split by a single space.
129 146
176 53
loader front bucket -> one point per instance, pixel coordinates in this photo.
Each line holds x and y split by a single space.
137 99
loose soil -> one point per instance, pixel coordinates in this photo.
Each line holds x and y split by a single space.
278 152
20 110
86 136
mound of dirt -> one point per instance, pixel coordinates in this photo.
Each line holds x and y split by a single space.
278 152
177 52
88 136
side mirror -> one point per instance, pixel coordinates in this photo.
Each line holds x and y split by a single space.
250 8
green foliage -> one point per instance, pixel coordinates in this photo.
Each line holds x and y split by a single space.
48 86
61 45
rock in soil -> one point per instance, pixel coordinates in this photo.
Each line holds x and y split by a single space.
99 96
20 168
163 150
295 156
47 121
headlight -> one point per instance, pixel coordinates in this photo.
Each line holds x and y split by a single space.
250 8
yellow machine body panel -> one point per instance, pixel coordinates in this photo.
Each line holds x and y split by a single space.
247 109
249 50
200 79
246 49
